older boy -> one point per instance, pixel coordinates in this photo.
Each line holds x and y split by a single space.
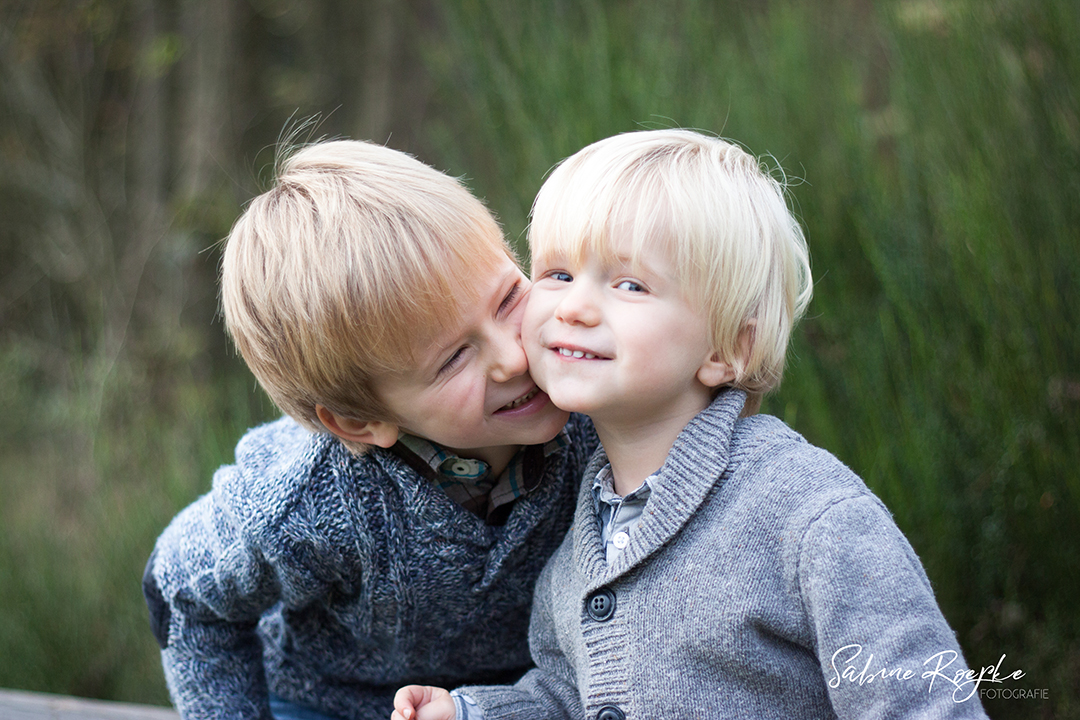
719 566
391 528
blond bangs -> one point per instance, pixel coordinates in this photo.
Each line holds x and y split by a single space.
580 212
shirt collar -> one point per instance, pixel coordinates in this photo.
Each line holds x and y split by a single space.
445 462
468 481
442 461
603 488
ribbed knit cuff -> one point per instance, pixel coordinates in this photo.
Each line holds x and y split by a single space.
465 707
495 702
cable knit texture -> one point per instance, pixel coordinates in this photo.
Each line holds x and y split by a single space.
758 558
330 579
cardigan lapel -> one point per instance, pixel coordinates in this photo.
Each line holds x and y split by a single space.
589 554
693 467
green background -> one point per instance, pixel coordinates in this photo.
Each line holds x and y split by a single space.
933 153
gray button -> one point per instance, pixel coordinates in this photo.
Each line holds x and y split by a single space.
464 467
610 712
601 605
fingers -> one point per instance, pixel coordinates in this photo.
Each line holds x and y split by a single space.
407 699
419 702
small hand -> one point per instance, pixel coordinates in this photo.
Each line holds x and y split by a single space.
423 702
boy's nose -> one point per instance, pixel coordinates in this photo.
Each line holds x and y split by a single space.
578 306
509 359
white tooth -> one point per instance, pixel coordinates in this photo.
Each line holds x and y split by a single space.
589 356
578 353
522 400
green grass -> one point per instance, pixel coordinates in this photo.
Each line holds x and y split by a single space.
87 488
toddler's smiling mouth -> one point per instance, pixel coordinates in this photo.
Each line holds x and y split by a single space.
578 354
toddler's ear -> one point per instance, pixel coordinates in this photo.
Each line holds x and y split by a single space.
368 432
715 372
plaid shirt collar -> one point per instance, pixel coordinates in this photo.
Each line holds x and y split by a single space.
468 482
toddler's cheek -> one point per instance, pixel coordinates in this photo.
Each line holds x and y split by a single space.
530 341
533 351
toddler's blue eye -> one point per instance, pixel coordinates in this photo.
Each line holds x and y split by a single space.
561 276
630 285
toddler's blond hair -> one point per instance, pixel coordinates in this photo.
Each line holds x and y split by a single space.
716 212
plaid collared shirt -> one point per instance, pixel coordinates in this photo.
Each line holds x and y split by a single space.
468 482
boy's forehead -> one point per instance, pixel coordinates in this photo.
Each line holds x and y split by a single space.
477 291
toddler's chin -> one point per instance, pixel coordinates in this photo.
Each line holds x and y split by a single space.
567 402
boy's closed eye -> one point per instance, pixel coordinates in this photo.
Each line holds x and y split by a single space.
452 361
509 301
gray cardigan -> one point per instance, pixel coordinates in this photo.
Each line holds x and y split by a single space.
331 579
761 567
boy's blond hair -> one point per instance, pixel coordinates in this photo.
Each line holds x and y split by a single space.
714 210
345 268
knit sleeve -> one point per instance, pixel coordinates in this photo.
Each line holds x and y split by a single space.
206 588
884 646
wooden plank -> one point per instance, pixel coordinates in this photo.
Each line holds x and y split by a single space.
22 705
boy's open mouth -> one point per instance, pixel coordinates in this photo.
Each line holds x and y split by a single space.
521 400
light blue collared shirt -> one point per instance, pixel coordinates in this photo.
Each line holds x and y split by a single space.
617 515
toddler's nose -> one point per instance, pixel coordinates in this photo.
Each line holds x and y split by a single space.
578 306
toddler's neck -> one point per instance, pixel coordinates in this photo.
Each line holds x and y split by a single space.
636 450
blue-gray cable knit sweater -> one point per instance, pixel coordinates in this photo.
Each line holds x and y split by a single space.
764 581
331 579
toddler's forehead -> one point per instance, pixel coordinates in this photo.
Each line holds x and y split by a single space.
611 250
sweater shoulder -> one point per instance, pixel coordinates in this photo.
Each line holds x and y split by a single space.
584 441
276 465
302 497
770 457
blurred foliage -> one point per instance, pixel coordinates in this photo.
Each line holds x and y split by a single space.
931 148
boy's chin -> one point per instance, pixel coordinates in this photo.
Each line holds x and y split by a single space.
541 428
554 422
